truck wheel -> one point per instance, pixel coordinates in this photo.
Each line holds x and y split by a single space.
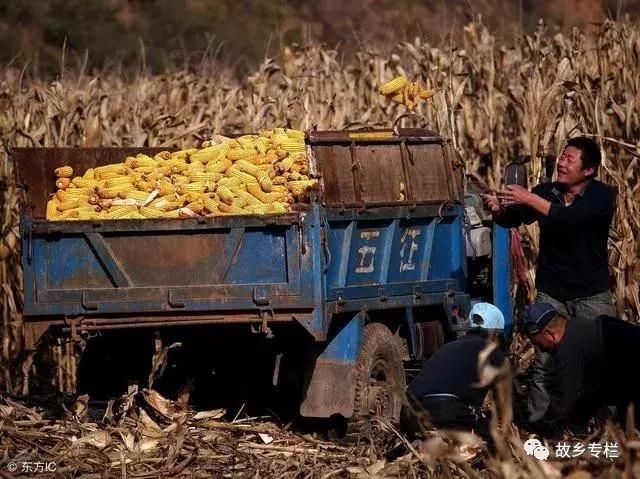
380 379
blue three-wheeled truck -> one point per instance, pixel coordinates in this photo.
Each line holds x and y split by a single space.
374 274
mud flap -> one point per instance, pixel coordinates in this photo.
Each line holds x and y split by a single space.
331 386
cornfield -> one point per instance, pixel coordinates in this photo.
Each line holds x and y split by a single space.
497 103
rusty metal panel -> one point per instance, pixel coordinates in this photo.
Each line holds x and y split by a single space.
34 168
457 171
429 178
369 168
336 173
380 172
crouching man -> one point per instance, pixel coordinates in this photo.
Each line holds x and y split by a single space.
591 366
447 386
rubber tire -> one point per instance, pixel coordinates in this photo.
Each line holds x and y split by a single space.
379 350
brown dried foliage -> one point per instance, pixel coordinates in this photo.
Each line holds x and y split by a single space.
495 101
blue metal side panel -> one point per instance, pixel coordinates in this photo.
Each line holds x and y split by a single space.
139 268
502 275
393 258
448 255
259 251
345 345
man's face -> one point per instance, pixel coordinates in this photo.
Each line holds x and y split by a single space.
545 340
569 167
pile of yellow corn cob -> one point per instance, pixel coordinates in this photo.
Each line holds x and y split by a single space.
252 174
405 92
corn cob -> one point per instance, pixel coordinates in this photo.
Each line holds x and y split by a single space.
179 179
198 187
136 195
82 182
108 193
165 170
162 156
301 184
209 154
293 146
186 213
78 192
278 207
225 194
117 212
279 181
249 199
69 214
120 181
142 160
280 189
52 208
165 187
90 174
256 210
230 183
240 154
119 168
205 177
295 134
143 185
196 206
178 168
63 183
247 167
255 190
178 156
211 205
265 181
63 172
393 86
68 205
149 212
195 167
241 175
169 206
124 202
219 166
232 209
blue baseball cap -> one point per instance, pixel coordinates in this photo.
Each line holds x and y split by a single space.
537 316
486 316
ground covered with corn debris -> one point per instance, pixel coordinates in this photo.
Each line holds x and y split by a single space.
144 435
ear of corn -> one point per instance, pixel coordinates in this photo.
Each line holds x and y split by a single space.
393 86
63 183
63 172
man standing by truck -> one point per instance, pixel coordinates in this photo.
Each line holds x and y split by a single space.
574 214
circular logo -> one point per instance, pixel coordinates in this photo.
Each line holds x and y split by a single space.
12 467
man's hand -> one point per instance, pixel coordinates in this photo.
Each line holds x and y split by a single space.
492 202
516 195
